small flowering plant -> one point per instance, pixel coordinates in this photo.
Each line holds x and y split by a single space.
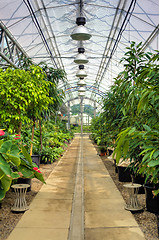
37 169
15 162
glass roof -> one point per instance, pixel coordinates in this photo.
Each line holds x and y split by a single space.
43 28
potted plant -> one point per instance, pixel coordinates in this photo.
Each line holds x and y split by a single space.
15 162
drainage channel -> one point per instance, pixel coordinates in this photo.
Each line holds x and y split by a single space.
76 230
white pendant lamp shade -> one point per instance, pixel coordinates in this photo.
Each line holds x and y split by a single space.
81 72
80 33
81 94
81 82
81 59
81 89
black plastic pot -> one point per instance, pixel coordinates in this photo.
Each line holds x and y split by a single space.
36 159
124 174
140 180
152 202
116 168
25 181
110 151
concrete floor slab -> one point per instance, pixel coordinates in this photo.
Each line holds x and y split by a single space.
59 183
96 204
53 195
105 184
38 234
60 189
57 205
44 219
96 219
133 233
102 193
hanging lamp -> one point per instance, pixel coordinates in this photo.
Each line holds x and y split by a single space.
81 94
81 58
81 89
80 33
81 72
81 82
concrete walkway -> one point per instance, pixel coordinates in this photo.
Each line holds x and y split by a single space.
79 201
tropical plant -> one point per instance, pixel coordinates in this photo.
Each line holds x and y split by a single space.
131 112
139 141
15 162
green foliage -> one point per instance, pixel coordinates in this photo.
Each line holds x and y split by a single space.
15 162
88 109
54 139
77 129
131 113
24 95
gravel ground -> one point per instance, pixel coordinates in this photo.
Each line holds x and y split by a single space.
146 220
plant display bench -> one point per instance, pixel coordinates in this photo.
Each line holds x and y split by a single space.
20 204
133 203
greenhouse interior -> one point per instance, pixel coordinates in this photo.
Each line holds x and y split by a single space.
79 120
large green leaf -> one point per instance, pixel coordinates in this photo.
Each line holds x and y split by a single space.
153 163
1 174
11 152
27 173
118 155
6 146
6 182
15 160
15 175
14 150
125 148
26 154
156 154
2 194
4 166
1 142
147 128
39 176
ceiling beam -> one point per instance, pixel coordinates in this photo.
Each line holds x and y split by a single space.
10 50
